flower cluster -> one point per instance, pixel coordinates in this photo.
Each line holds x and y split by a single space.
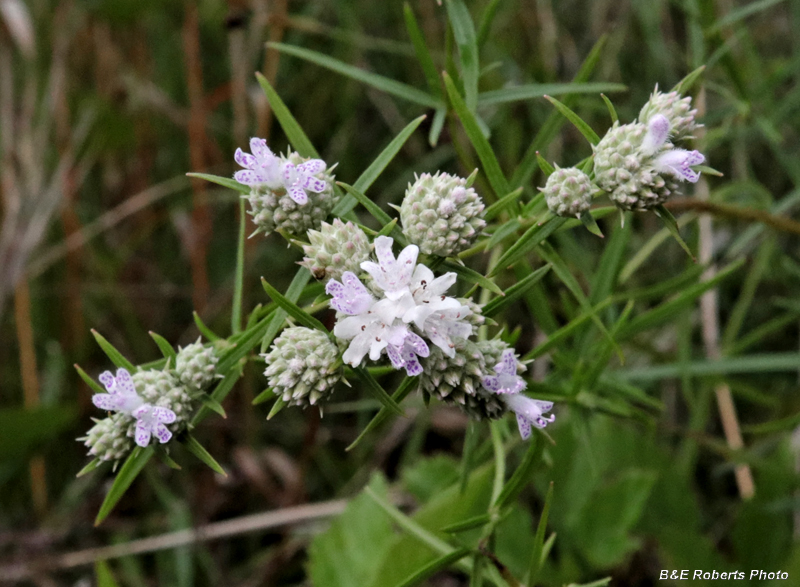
288 192
636 165
149 403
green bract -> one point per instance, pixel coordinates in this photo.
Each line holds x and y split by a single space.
568 192
195 366
334 249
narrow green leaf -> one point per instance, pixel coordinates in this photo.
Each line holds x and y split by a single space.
102 573
467 44
264 396
502 232
128 472
762 363
225 182
437 125
576 120
388 228
162 455
292 309
531 91
433 567
276 407
293 294
421 49
213 405
371 173
294 132
683 86
672 226
741 12
590 223
473 276
486 21
562 333
707 170
491 166
544 165
375 388
166 349
220 392
371 206
408 385
238 278
379 82
526 243
204 330
612 112
522 474
469 524
514 292
93 464
96 387
112 353
538 540
471 438
201 453
502 204
598 583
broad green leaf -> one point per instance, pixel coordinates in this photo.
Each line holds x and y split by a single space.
225 182
531 91
294 132
127 474
378 82
112 353
351 551
491 166
576 120
467 43
375 388
371 173
163 345
292 309
514 292
204 330
198 450
526 243
421 49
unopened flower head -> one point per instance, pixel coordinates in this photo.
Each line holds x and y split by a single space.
638 166
568 192
289 193
676 108
162 388
335 248
303 366
441 214
195 365
108 440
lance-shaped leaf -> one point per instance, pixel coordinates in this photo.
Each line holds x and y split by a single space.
538 540
96 387
225 182
220 392
467 43
522 474
473 276
204 330
201 453
380 394
421 49
527 242
576 120
514 292
127 474
163 345
672 226
502 204
292 309
435 566
112 353
294 132
408 385
531 91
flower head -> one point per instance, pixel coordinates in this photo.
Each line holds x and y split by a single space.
151 420
506 381
121 396
261 168
299 178
529 411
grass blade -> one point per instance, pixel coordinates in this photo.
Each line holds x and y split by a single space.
294 132
128 472
378 82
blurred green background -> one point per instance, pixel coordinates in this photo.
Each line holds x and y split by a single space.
104 106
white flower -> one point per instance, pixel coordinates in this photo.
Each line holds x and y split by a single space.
392 275
529 412
299 178
262 168
122 397
675 162
506 381
151 420
370 332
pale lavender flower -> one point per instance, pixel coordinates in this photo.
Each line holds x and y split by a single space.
506 381
675 162
151 420
121 396
529 411
350 296
392 275
370 332
262 168
299 178
406 355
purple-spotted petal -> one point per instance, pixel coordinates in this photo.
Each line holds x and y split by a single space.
314 185
259 148
413 367
125 384
247 177
394 356
245 159
492 383
524 427
107 401
298 194
162 433
164 415
107 379
142 434
312 167
418 344
508 363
